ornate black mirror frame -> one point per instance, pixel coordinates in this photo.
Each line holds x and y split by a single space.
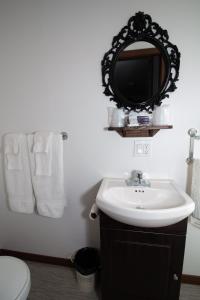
141 28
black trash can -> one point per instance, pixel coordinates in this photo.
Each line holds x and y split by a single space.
86 262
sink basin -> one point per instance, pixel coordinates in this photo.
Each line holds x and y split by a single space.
160 205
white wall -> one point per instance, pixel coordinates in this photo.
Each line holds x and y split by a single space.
50 78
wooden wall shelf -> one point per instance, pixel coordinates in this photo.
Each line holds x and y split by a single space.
140 131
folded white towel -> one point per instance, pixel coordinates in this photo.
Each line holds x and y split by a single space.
12 143
17 174
43 164
42 141
49 190
12 151
42 149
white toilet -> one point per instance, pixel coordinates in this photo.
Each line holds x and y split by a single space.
15 279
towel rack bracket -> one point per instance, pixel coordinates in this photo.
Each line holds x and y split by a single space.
64 135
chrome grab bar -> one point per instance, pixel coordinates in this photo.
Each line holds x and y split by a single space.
193 136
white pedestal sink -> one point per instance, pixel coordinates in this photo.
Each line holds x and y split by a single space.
160 205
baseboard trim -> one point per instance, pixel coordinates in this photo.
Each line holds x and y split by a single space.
38 258
191 279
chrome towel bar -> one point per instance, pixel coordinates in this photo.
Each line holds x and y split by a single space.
63 133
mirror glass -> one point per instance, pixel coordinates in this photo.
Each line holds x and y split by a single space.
139 72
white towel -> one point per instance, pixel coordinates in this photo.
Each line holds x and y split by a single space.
42 149
17 174
195 187
12 143
12 151
49 190
42 141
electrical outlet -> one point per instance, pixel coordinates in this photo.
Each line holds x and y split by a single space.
142 148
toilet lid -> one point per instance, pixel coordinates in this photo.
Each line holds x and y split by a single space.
14 276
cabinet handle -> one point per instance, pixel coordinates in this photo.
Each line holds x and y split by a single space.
175 277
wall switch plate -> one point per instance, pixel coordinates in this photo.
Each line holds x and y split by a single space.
142 148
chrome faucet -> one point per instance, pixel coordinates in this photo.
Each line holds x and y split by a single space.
136 179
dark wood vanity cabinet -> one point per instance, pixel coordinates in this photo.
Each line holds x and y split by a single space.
141 263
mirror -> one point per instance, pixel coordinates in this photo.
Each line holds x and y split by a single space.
142 66
139 72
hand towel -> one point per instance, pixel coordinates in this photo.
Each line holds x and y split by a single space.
42 141
195 187
42 149
18 180
12 143
49 190
12 151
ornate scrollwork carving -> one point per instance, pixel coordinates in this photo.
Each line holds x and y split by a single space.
140 27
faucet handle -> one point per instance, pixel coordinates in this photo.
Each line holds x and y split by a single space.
136 179
137 174
140 175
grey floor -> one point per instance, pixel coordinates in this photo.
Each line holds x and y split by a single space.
51 282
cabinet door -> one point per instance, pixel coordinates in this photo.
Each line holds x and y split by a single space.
141 266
